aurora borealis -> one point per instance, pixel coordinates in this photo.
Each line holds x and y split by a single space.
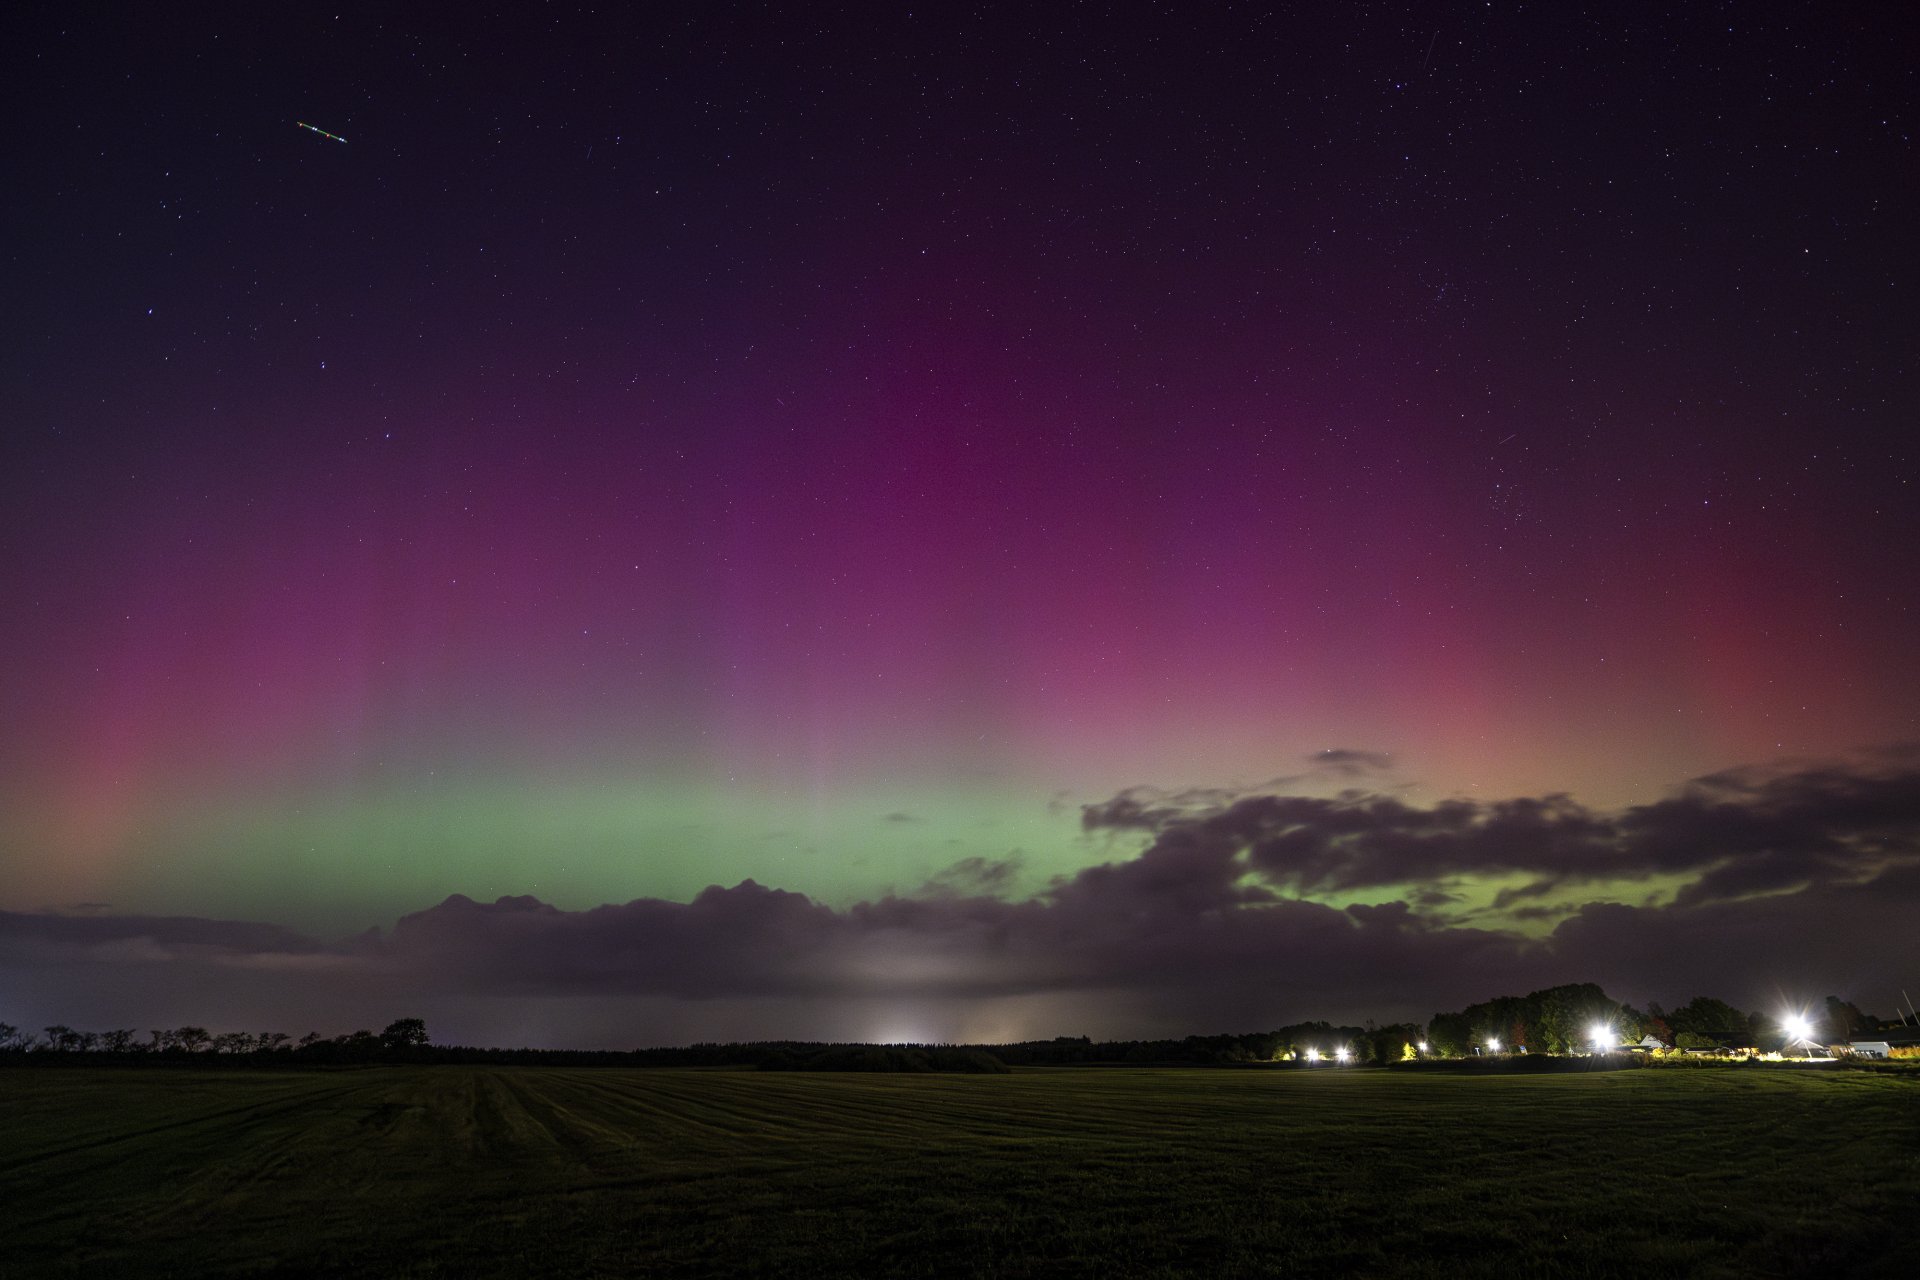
847 450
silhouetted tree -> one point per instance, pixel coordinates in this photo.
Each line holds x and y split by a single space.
403 1034
1392 1044
1554 1020
1451 1034
192 1039
1844 1018
1705 1014
358 1046
118 1041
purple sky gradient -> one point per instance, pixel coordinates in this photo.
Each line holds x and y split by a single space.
825 447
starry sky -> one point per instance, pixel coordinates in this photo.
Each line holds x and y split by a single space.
940 465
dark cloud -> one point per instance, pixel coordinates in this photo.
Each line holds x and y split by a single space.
1852 939
725 942
1737 833
1794 883
1351 764
985 877
33 934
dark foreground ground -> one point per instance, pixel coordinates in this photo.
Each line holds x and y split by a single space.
454 1171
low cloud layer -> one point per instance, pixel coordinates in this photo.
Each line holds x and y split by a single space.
1756 885
1737 833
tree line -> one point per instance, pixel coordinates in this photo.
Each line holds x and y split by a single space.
1564 1019
1556 1020
1302 1042
404 1039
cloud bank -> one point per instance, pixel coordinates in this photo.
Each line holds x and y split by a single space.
1758 885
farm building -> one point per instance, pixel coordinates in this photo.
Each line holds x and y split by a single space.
1883 1043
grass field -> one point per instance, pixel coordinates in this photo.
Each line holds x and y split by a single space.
453 1171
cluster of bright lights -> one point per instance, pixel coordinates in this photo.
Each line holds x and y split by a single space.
1601 1035
1797 1026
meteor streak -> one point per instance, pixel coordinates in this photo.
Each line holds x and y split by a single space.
322 132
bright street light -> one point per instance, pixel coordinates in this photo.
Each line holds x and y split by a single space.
1602 1036
1801 1031
1343 1053
1313 1055
1493 1043
1423 1046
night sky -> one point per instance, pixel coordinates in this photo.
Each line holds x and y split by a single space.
1111 521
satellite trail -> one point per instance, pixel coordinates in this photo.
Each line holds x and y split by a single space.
322 132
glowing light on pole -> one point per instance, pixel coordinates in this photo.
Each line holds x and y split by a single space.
1343 1053
1601 1035
1493 1044
1800 1031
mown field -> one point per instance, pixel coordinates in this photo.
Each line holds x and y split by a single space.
453 1171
